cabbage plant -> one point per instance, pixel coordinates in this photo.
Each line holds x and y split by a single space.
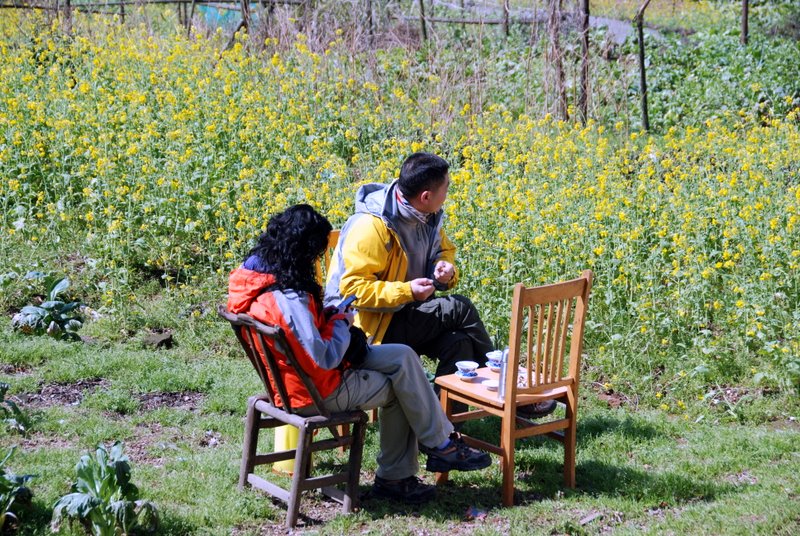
103 499
57 318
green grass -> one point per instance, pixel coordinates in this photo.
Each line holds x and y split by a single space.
638 470
109 175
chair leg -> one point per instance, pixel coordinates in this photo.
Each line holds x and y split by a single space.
447 406
570 439
250 443
507 459
301 467
354 467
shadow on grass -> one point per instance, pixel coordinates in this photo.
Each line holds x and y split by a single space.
589 427
539 477
170 524
630 427
35 518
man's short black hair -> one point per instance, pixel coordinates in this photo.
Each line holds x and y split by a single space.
420 172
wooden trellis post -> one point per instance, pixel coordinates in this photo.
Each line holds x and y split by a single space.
370 29
583 97
642 74
505 18
422 20
745 12
556 60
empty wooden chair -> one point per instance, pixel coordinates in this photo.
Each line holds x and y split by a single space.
263 412
544 362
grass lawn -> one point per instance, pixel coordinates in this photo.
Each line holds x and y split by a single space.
180 413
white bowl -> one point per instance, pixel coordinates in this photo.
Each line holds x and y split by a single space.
467 366
491 384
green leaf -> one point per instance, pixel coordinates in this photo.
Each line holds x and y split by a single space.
71 306
33 310
58 287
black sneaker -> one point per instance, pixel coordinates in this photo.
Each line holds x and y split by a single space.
457 456
537 410
409 490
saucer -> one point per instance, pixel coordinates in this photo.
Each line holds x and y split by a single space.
494 366
491 385
466 376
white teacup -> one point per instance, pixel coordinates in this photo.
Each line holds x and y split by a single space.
467 367
495 355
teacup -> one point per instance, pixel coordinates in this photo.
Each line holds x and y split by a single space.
467 367
495 355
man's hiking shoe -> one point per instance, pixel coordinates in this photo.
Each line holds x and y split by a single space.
409 490
537 410
456 456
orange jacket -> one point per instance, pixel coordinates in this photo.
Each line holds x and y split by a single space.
316 342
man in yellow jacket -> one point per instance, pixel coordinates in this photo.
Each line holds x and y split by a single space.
393 255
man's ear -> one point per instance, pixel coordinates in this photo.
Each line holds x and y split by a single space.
425 196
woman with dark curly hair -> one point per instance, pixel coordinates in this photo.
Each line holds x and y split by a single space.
277 285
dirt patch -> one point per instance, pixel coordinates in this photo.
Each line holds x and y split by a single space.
149 443
614 398
791 424
15 370
62 393
742 479
210 439
729 395
185 400
44 441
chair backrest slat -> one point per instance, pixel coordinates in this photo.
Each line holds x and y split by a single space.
253 336
554 316
247 341
540 354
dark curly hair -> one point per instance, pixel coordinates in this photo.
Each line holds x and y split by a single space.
290 247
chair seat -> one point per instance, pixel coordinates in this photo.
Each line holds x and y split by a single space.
478 392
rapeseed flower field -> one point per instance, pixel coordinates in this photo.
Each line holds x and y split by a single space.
166 156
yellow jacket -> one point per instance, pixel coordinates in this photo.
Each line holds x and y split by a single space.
370 263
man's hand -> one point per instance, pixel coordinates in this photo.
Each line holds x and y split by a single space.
422 288
444 272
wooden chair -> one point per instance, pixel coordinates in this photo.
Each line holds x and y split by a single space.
544 362
263 412
325 263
